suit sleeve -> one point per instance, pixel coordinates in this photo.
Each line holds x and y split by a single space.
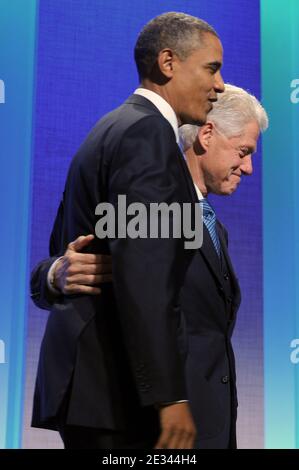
40 294
147 272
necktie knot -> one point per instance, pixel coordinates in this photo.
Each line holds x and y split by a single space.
209 218
207 209
208 212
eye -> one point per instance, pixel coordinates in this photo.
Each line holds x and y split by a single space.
243 152
212 69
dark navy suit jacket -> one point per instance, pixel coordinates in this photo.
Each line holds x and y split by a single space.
210 299
116 355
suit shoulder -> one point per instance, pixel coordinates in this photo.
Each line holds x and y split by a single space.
129 116
119 126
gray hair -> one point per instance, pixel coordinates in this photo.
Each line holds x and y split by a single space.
176 31
233 110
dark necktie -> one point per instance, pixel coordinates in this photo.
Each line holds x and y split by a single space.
209 219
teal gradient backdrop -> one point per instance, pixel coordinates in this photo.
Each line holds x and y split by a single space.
17 58
280 66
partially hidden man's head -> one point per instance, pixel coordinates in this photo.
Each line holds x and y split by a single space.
225 143
182 54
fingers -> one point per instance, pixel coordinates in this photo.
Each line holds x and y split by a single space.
187 440
169 439
87 279
82 289
77 273
70 279
87 258
73 267
80 242
174 439
178 430
163 439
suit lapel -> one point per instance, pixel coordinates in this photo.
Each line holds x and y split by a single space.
210 255
235 282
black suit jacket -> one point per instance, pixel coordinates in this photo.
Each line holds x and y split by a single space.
210 299
209 309
117 354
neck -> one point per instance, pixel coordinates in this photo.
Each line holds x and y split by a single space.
163 90
193 161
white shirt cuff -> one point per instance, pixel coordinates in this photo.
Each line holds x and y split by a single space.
50 277
174 402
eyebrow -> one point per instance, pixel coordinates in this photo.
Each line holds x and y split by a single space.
250 150
216 64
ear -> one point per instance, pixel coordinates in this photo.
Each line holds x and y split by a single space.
166 60
205 134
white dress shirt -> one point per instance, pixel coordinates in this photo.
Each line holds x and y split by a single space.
164 108
198 192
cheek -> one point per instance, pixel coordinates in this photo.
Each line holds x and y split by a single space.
216 166
221 169
230 185
198 85
216 175
226 187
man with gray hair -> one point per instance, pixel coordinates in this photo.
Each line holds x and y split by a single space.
111 372
234 123
218 154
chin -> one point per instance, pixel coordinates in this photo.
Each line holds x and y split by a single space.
227 191
201 120
194 120
231 191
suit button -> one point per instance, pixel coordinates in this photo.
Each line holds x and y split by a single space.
229 299
224 379
226 276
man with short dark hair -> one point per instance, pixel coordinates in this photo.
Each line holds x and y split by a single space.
111 371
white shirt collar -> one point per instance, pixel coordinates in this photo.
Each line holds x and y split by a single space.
198 192
168 113
163 106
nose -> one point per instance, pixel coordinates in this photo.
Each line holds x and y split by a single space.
246 166
219 83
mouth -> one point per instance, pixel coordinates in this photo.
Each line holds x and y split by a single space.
238 176
211 101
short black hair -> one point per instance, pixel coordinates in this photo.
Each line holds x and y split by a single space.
174 30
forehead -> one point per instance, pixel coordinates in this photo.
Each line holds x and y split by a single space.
249 137
251 133
210 48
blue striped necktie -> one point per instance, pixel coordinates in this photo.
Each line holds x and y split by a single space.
209 219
